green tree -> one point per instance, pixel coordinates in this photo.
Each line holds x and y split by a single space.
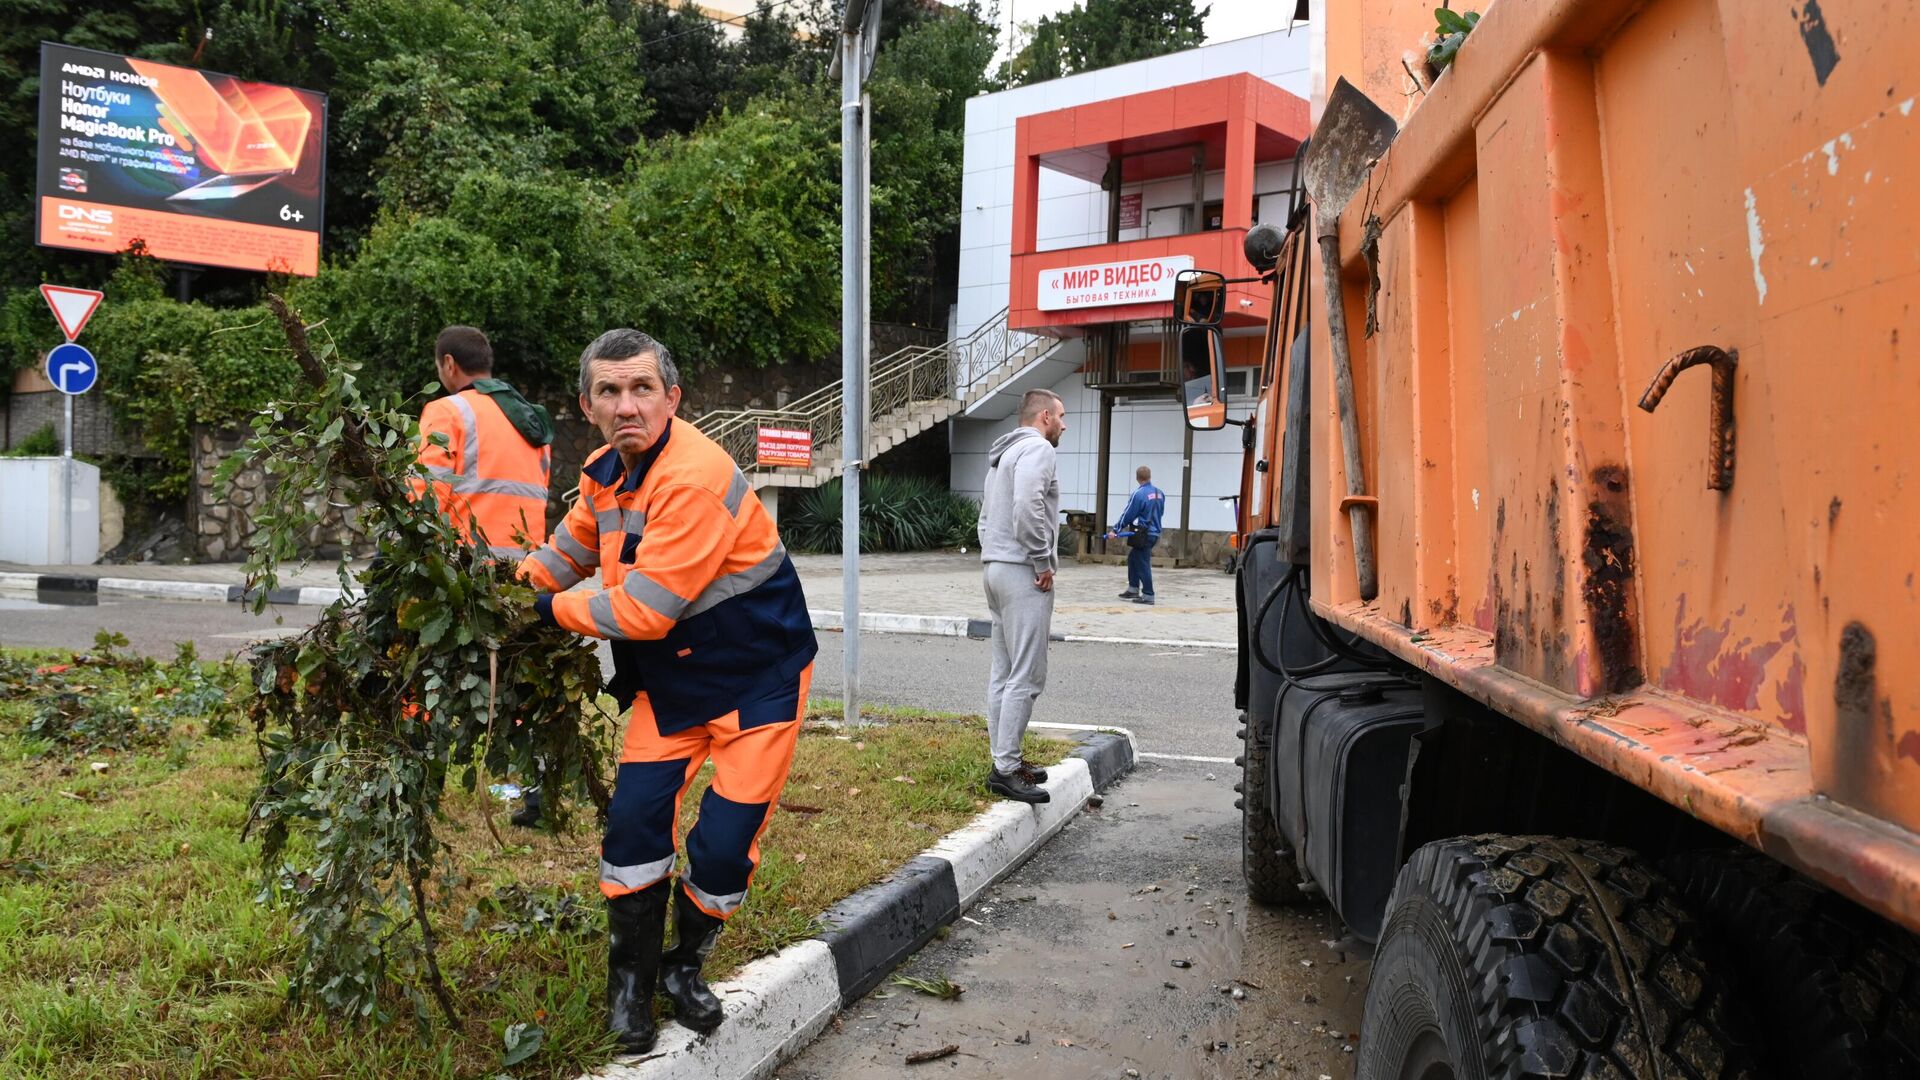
684 58
434 89
736 230
920 87
541 262
1103 33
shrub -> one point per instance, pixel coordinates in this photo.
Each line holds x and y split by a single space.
42 443
897 513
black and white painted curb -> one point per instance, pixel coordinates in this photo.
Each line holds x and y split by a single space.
778 1004
147 589
871 622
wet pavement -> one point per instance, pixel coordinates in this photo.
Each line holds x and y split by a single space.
1125 948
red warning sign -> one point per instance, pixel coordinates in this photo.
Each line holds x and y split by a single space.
71 307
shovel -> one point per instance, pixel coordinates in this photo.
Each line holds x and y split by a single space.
1352 134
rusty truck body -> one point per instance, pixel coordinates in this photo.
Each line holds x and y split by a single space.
1614 748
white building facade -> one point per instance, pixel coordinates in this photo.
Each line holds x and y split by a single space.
1146 167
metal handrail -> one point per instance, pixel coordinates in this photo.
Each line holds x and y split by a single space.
957 371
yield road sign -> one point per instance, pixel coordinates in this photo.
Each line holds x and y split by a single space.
71 369
71 307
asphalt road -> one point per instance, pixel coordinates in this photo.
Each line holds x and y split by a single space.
1177 702
1118 950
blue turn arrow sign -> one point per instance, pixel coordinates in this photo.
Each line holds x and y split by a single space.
72 369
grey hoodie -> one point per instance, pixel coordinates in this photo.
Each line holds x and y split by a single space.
1020 508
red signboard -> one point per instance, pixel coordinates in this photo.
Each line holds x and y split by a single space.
1130 211
195 166
785 446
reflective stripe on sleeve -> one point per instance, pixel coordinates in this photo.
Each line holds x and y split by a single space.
601 608
737 491
585 557
564 576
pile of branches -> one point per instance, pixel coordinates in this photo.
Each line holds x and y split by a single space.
431 669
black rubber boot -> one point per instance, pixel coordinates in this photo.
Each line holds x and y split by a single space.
636 932
695 931
528 816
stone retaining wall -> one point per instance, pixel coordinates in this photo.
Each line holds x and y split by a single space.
221 526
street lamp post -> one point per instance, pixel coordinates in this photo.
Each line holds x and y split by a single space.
859 37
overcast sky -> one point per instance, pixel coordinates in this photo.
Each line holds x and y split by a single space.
1228 20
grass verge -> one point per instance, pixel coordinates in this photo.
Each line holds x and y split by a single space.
133 942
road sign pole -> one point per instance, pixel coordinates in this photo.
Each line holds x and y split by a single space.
66 481
72 370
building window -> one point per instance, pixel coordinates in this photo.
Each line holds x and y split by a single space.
1240 383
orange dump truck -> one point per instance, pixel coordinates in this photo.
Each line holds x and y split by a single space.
1581 522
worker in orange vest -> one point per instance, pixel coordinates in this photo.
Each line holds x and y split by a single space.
713 650
487 449
488 453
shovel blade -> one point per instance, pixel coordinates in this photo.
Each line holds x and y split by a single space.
1352 134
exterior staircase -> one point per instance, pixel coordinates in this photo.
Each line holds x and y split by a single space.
908 392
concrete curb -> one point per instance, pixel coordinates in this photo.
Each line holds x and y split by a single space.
778 1004
871 622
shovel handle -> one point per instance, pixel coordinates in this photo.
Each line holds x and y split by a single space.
1365 567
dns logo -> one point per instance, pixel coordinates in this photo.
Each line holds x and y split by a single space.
69 212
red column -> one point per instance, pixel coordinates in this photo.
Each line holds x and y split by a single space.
1026 189
1237 211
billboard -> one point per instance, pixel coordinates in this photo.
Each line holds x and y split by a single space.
200 167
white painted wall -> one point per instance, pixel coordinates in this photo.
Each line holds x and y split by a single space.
1073 213
1144 433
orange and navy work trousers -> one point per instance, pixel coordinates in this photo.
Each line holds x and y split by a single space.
752 749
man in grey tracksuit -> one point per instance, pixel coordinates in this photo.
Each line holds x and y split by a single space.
1019 544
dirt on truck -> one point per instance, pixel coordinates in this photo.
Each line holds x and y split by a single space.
1577 554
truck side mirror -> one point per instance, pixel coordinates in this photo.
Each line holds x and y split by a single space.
1203 389
1199 297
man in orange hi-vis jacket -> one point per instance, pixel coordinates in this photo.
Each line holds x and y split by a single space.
487 449
712 647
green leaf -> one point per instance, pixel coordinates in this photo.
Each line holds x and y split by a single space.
436 627
523 1041
1450 21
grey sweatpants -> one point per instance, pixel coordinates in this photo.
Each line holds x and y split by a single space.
1022 618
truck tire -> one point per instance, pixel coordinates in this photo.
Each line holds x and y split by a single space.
1524 956
1836 989
1273 879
